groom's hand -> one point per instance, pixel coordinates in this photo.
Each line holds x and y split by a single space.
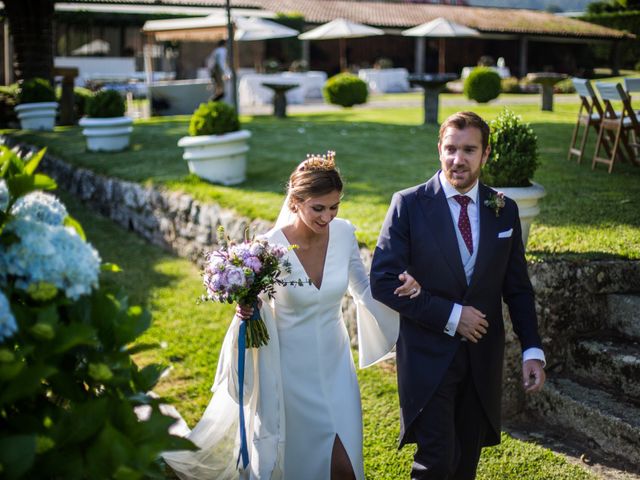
533 375
472 324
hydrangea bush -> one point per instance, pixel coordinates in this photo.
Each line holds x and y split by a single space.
68 384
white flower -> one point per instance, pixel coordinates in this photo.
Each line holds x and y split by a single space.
235 277
40 206
4 195
8 324
52 254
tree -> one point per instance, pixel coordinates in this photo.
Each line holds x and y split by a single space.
31 26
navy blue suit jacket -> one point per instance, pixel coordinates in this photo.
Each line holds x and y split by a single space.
418 236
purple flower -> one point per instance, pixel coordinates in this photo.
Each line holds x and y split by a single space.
235 277
215 262
253 263
256 249
240 251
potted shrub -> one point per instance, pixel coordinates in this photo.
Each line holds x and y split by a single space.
106 127
482 85
345 89
513 161
216 147
37 105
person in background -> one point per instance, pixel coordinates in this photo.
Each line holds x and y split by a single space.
217 65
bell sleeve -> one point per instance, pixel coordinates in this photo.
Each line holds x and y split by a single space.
378 325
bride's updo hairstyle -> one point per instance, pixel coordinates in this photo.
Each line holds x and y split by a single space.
314 177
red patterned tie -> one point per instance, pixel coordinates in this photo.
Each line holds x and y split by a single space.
464 225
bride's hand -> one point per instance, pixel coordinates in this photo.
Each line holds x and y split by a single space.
410 287
245 311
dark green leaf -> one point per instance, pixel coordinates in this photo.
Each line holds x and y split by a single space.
109 452
81 422
17 453
141 347
146 378
73 335
26 383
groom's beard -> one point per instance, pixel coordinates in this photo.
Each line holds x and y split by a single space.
462 178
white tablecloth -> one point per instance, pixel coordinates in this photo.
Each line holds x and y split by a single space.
251 91
387 80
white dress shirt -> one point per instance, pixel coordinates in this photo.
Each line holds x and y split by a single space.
468 259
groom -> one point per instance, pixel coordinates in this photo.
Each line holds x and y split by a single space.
463 244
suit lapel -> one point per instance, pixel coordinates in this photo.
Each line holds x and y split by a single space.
438 216
488 231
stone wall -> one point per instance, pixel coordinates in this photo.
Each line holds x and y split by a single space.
570 295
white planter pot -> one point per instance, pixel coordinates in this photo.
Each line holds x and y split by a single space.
527 200
37 115
217 158
107 134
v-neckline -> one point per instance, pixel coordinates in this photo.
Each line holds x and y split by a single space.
324 263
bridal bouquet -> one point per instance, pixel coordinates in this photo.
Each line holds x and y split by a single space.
239 272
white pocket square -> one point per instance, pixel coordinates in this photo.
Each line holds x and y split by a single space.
506 233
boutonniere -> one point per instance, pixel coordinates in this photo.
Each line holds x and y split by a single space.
495 202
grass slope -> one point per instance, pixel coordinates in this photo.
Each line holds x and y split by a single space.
191 335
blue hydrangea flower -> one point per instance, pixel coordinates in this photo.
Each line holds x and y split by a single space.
8 324
40 206
4 195
52 254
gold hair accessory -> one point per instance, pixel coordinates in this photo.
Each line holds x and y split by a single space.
319 162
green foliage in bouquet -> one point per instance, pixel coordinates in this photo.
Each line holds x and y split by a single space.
482 85
213 118
514 152
35 90
68 383
105 104
346 90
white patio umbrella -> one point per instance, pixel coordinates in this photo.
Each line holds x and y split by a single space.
92 48
215 26
441 28
340 29
256 28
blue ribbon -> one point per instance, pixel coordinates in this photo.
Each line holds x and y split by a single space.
244 451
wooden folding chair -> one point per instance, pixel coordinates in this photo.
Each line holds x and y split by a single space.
589 116
632 85
623 124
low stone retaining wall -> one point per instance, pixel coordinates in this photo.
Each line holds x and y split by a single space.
570 295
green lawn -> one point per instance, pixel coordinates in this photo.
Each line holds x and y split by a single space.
585 214
191 335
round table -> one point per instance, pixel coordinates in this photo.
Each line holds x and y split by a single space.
547 80
279 97
432 84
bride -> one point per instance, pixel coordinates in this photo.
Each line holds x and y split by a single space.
302 401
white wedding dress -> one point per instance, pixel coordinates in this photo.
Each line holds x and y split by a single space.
301 389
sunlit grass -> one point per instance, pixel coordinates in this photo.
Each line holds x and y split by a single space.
379 151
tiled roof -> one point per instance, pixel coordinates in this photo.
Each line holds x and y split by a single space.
405 15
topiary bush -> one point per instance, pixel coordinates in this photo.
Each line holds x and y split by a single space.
68 383
345 90
213 118
35 90
482 85
514 152
8 101
105 104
